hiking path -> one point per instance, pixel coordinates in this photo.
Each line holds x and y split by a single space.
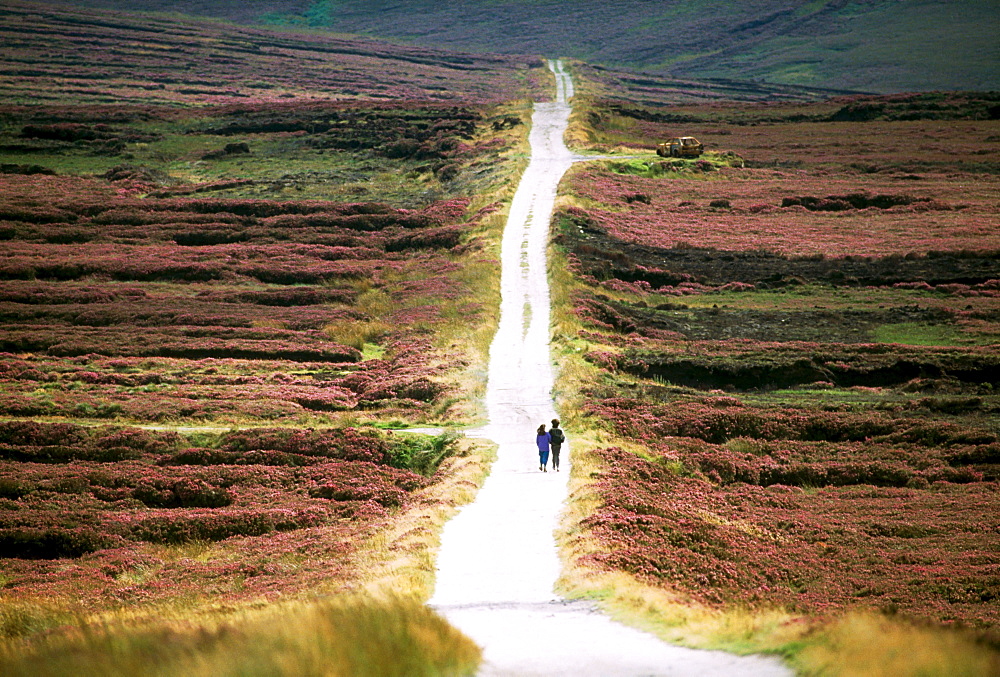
498 561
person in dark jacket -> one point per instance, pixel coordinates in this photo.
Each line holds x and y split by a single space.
556 439
542 440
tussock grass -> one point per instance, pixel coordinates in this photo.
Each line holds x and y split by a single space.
581 135
269 324
679 621
375 302
25 618
357 333
567 348
472 332
347 636
878 646
593 128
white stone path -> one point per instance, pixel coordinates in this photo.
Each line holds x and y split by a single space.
498 561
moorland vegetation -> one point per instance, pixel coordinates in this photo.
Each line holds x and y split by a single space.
882 47
782 356
232 260
237 260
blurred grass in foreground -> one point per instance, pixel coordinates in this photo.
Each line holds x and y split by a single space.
880 646
354 637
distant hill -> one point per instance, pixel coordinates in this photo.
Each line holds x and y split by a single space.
864 45
53 53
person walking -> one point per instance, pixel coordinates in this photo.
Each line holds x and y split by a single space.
556 439
542 440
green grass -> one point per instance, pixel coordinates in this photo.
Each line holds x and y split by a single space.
915 334
422 453
839 54
840 399
943 328
63 164
656 167
282 167
287 169
372 351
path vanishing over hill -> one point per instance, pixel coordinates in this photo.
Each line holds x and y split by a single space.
498 561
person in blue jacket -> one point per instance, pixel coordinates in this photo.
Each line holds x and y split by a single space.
542 440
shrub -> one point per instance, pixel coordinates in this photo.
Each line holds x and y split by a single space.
216 526
14 489
31 433
387 496
52 543
421 453
185 493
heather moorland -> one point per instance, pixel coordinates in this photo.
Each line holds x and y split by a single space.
908 45
235 264
785 353
238 263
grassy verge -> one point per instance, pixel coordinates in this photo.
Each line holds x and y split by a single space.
479 270
401 559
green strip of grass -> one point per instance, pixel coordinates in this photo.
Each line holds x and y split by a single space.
916 334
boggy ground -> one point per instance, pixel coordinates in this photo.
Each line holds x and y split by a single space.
791 361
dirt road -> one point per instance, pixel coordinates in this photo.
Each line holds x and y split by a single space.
498 561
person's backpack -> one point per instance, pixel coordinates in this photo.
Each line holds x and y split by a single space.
556 435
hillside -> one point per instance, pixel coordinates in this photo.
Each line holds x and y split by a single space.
53 53
910 45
